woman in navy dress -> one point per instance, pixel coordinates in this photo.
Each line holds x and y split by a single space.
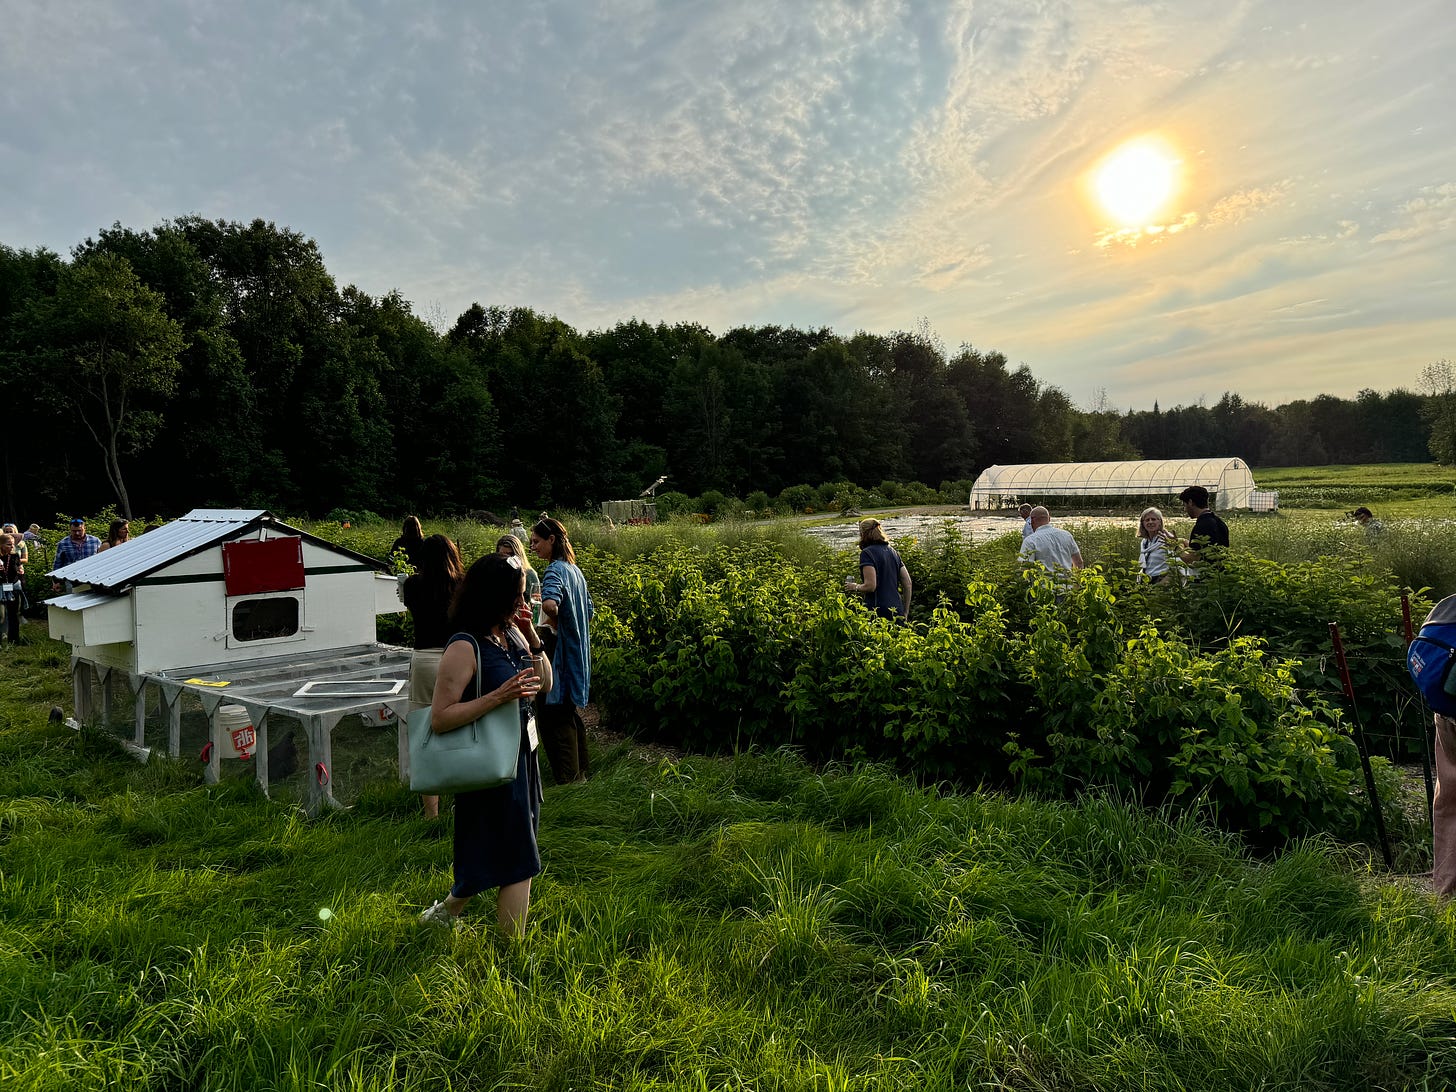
495 829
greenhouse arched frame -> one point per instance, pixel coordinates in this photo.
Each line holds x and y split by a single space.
1228 480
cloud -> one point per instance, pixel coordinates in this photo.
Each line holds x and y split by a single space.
1432 212
1149 235
955 270
1235 208
1240 206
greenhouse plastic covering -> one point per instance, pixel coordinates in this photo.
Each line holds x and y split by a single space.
1228 479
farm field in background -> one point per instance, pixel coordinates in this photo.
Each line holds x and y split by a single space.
1379 474
1391 490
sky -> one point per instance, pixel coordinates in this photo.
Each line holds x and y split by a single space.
855 164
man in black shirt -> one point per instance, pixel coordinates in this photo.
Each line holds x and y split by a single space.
1208 530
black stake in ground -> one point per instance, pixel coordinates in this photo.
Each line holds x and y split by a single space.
1428 726
1360 744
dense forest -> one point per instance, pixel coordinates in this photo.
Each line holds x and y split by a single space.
212 363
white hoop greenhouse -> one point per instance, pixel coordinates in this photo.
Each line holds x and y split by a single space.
1228 480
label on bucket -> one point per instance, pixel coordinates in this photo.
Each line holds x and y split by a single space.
244 740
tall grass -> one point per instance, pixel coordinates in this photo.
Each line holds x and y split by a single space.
744 923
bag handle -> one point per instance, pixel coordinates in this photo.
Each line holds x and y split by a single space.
479 669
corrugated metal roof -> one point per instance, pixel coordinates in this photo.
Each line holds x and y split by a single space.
118 567
82 600
198 529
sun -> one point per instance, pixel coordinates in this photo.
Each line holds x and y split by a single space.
1137 180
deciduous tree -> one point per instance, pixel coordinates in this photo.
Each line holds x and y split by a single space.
1438 380
111 356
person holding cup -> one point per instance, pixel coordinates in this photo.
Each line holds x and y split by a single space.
495 829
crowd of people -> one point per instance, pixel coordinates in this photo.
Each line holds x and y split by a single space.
12 585
1163 557
484 637
15 554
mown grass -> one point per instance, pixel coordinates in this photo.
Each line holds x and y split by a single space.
743 923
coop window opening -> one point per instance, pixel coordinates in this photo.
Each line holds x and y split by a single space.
264 618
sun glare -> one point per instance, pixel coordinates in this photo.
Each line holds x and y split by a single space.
1137 180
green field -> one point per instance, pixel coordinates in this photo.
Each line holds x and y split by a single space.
1385 475
701 924
1390 490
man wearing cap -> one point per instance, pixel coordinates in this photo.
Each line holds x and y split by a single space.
77 546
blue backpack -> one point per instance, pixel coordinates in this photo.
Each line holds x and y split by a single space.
1431 658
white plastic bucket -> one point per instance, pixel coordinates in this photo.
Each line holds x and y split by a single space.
238 736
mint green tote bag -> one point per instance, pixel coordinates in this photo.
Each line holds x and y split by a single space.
480 755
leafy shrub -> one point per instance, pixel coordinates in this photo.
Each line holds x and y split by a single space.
918 493
956 492
1290 607
710 502
1024 684
759 503
352 516
827 492
673 504
796 498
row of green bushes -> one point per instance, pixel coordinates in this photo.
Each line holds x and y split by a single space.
1283 586
726 649
800 499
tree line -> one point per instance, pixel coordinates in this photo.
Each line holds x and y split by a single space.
215 363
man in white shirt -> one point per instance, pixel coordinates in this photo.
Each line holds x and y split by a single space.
1048 546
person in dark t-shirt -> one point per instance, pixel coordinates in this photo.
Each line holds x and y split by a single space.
882 574
1210 535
